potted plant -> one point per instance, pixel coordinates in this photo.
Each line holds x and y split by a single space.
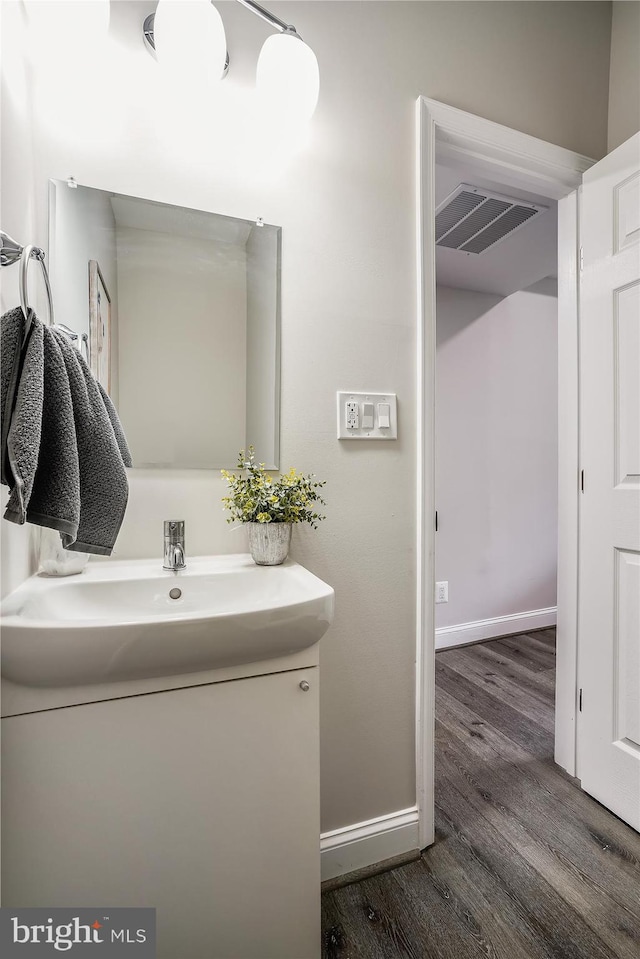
270 506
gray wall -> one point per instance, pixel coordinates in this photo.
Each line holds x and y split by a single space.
624 76
347 208
496 453
263 372
84 227
183 342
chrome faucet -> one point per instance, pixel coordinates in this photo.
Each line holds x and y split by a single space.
174 554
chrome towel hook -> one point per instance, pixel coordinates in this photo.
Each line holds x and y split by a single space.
74 337
11 252
33 253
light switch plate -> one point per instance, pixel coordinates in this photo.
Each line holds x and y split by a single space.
366 433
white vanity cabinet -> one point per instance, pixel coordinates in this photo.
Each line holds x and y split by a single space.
200 801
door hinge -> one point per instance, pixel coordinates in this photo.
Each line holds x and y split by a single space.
436 521
582 481
581 257
580 702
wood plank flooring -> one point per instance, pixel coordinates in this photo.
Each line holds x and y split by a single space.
525 865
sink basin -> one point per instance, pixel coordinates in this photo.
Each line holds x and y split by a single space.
117 621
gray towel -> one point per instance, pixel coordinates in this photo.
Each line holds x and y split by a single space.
19 453
11 332
80 485
103 481
54 499
121 439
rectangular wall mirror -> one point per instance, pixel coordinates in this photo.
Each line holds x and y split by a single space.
181 311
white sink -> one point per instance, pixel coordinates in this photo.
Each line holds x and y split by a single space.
116 621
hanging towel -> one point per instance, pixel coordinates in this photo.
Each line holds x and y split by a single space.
19 458
121 439
102 457
78 483
11 333
54 487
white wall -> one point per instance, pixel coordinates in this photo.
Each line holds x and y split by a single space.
496 454
183 340
347 209
263 340
624 76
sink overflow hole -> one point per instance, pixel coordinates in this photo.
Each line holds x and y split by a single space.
175 593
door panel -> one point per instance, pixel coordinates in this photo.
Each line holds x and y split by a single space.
609 577
627 648
626 311
626 212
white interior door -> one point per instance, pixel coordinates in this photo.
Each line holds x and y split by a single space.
609 586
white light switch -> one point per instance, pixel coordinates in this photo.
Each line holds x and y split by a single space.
384 416
367 416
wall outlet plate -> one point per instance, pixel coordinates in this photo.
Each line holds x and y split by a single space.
375 432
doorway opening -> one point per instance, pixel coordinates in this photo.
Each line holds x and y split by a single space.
496 411
501 161
496 468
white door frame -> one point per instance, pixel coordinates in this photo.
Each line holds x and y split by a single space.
551 171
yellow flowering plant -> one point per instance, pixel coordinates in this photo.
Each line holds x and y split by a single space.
257 497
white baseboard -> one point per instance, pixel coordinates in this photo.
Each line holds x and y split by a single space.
367 843
493 628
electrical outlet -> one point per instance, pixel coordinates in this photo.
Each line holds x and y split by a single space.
442 592
352 411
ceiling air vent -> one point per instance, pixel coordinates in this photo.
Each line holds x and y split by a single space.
473 220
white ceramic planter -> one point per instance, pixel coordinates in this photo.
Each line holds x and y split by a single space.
269 542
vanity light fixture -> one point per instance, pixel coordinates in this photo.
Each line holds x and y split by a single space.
188 39
287 75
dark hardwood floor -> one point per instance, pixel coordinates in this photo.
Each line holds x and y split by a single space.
525 865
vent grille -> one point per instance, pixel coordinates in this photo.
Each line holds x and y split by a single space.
464 203
474 220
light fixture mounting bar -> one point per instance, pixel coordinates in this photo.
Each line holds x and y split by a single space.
268 17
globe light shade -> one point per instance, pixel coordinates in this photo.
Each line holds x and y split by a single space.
288 78
190 41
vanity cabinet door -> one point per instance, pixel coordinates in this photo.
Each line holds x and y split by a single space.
201 802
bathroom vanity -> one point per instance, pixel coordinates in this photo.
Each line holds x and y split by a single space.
195 792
